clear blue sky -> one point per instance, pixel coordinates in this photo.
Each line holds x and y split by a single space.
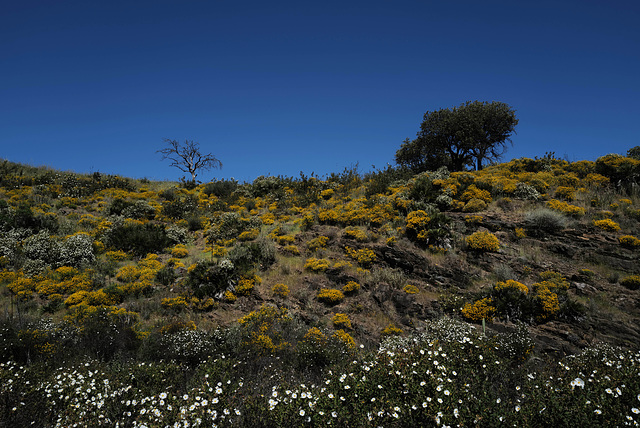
279 87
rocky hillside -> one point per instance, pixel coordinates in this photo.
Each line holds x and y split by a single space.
545 242
161 285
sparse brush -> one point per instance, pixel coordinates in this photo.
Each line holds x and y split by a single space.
543 221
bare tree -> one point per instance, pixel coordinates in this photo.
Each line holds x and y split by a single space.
188 158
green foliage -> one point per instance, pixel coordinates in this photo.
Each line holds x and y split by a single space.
634 153
467 135
428 228
139 239
178 208
222 189
212 278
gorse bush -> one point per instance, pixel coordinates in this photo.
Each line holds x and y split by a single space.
629 241
330 296
480 310
483 242
631 282
607 224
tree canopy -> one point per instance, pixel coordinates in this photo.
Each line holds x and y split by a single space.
460 137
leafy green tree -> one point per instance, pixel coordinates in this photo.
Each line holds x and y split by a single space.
464 136
634 153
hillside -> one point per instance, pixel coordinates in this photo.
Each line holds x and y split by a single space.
533 261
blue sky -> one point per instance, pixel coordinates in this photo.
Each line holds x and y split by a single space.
275 88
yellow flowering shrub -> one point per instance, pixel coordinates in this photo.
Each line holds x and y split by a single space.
175 303
330 296
365 256
520 233
631 282
564 192
547 301
554 280
176 326
280 290
341 321
316 243
607 224
355 233
344 338
483 242
116 256
249 235
229 297
391 330
473 219
511 284
268 218
22 286
342 264
262 329
327 194
565 208
285 239
245 285
351 287
479 310
474 205
629 241
76 298
410 289
596 180
316 265
291 249
315 336
474 192
179 251
218 251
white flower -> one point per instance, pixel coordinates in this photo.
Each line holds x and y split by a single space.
455 413
635 410
301 412
597 411
517 408
577 382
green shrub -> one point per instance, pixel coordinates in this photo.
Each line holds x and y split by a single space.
223 189
139 239
211 278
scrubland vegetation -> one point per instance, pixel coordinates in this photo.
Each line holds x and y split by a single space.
504 296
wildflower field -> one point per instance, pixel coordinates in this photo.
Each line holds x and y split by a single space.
507 296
